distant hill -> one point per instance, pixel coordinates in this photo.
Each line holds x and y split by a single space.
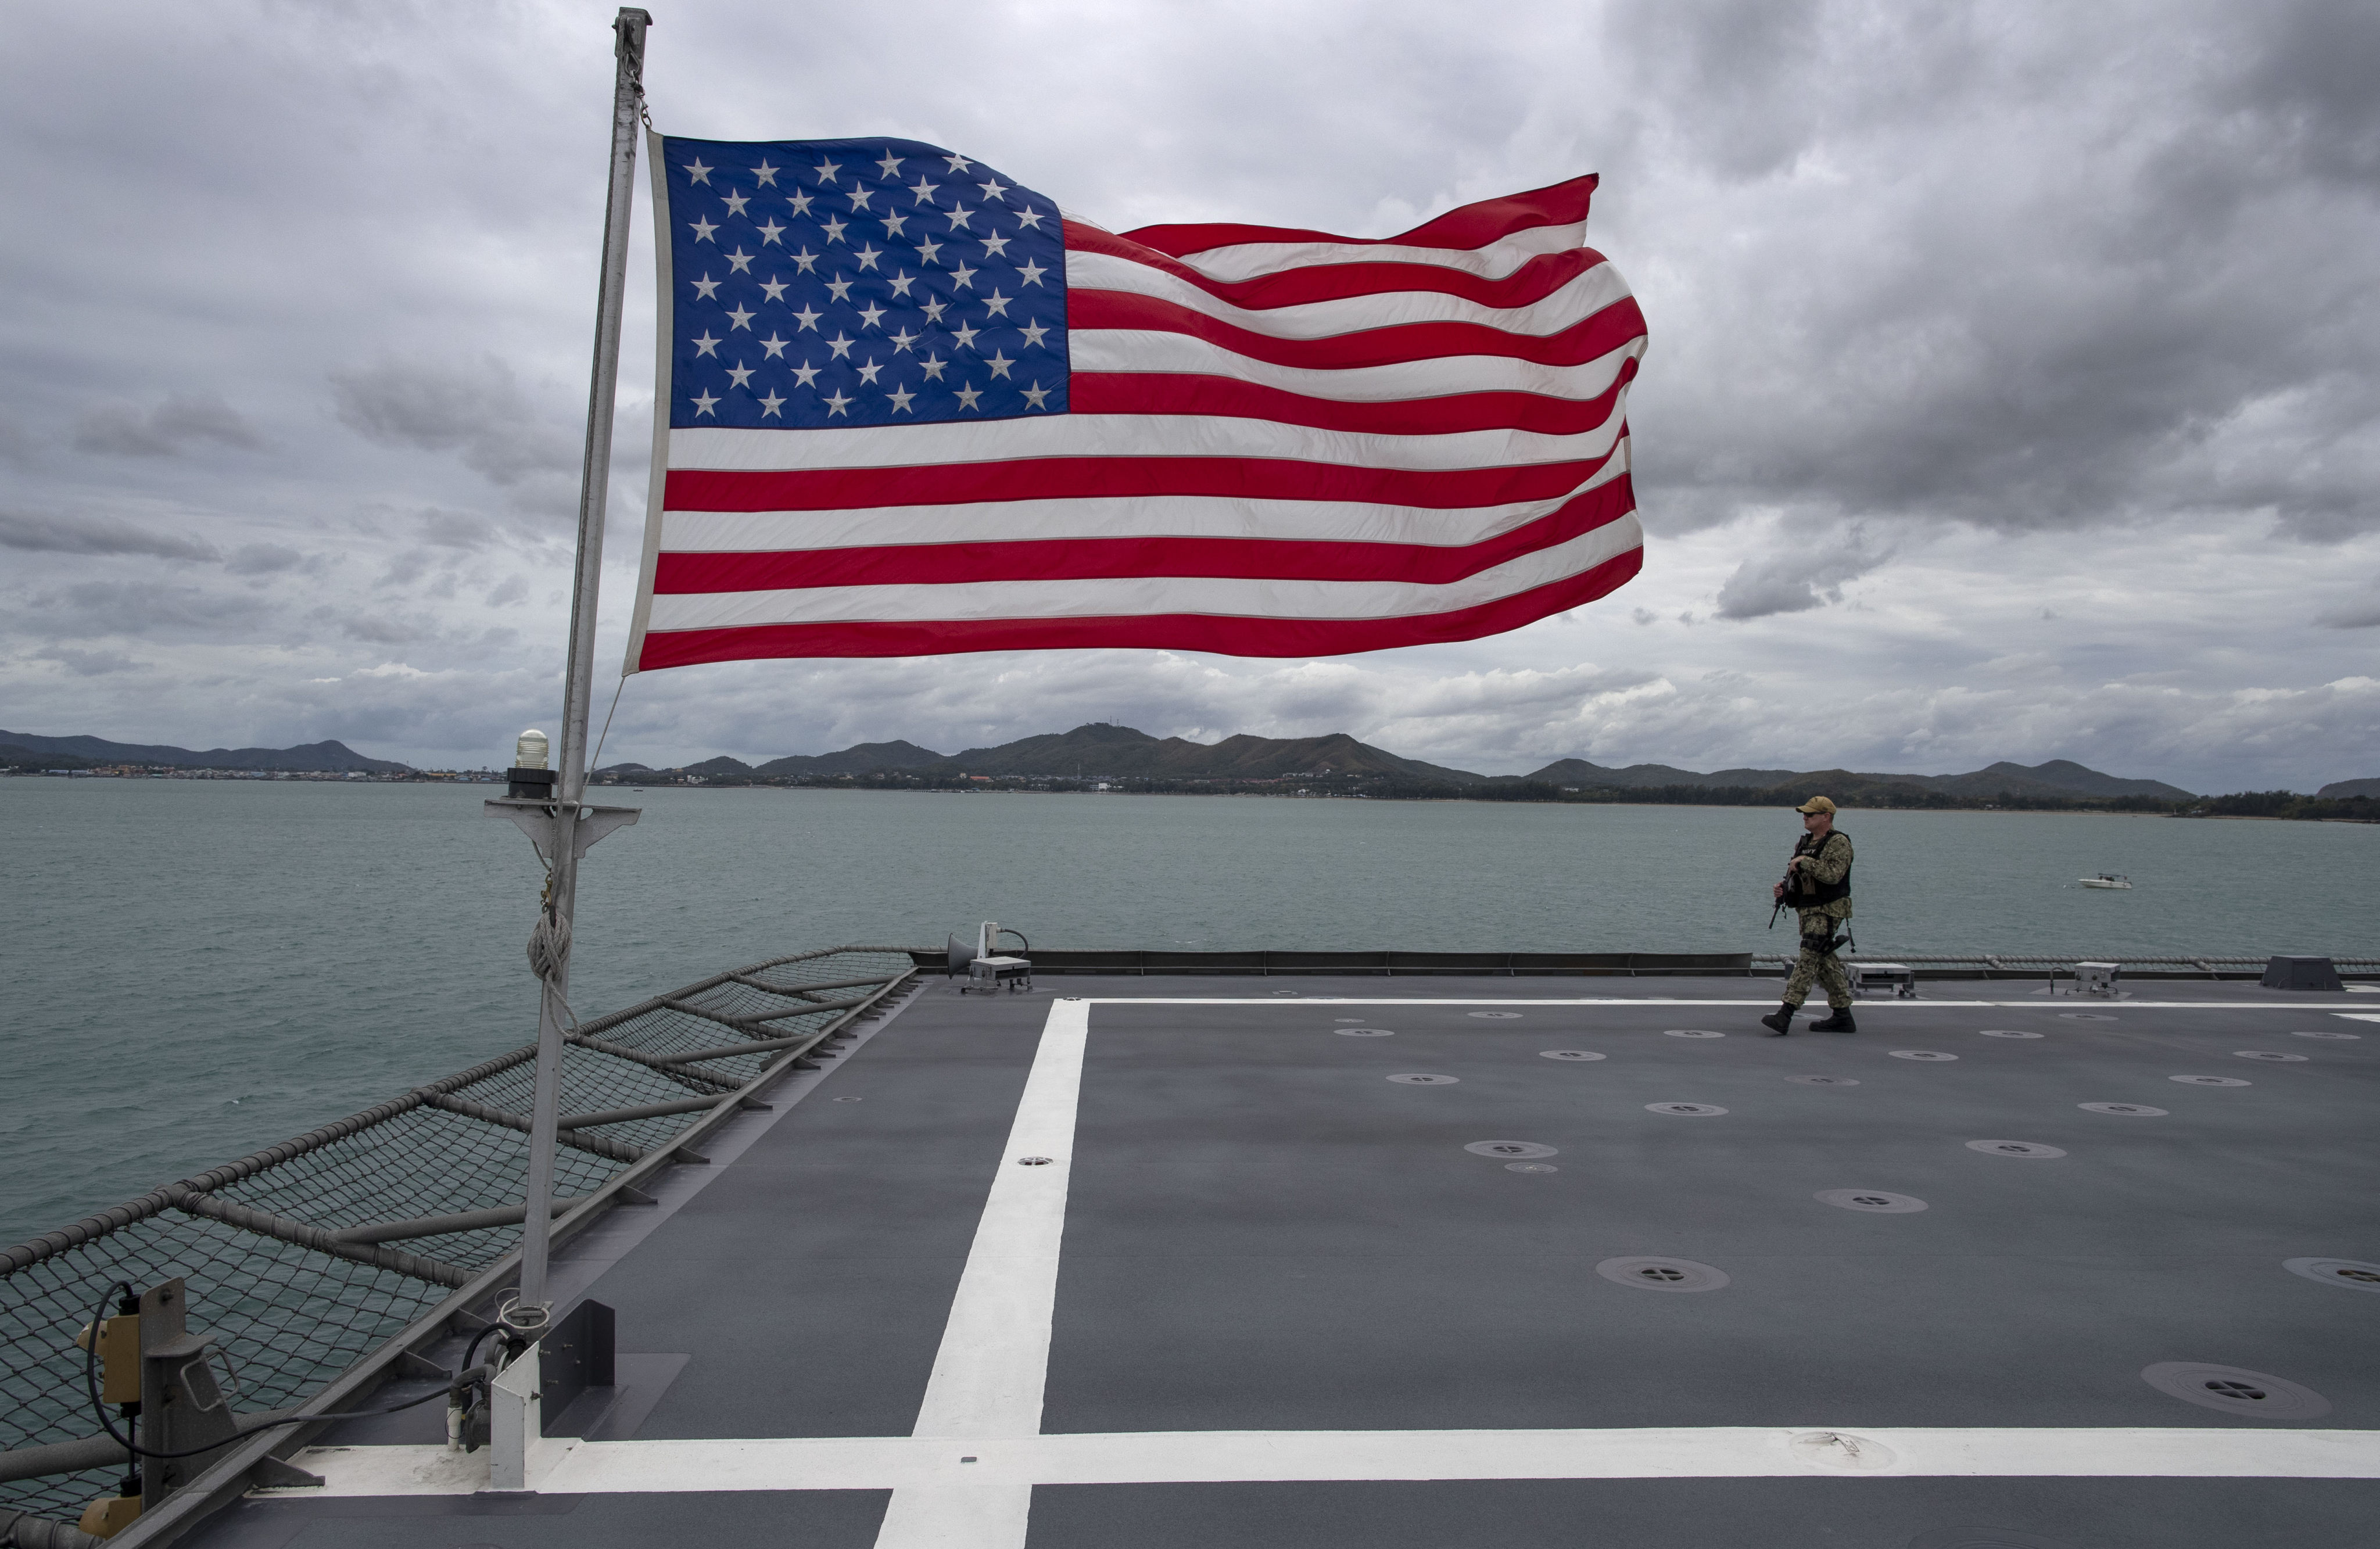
1100 750
310 758
1579 772
858 758
15 756
2060 777
2340 789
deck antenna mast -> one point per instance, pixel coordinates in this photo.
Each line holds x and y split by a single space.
563 825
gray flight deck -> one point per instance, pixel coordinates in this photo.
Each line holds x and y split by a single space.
1291 1308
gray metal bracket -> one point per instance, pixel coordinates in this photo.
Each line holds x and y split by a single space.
538 820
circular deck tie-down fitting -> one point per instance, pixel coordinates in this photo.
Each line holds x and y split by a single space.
1567 1054
2031 1150
1662 1274
2346 1274
1412 1080
1363 1032
2086 1016
1686 1111
2006 1032
1497 1016
2135 1110
2275 1058
1690 1033
1531 1166
2326 1033
1519 1150
1922 1054
1875 1201
2236 1390
2211 1081
1825 1081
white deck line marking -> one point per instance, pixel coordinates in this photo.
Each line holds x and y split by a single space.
2357 1016
984 1502
2043 1004
995 1352
994 1360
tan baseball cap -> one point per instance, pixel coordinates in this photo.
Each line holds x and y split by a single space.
1817 804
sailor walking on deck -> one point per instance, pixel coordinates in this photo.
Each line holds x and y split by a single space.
1817 887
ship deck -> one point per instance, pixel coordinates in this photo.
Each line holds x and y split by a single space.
1732 1289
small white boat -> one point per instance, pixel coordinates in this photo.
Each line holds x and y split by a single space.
2106 880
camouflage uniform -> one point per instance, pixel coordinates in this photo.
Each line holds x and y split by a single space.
1831 863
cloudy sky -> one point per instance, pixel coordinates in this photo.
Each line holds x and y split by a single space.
2012 390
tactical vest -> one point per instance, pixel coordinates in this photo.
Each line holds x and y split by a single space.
1808 892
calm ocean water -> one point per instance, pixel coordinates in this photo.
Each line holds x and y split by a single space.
196 969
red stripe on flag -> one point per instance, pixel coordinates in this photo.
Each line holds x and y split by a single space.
683 572
1534 280
1473 226
1273 478
1393 345
1172 393
1186 632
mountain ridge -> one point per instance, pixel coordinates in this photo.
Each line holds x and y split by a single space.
2057 777
1102 750
322 757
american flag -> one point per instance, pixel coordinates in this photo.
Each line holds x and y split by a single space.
911 409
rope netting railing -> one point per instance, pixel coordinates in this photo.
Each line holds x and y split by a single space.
309 1256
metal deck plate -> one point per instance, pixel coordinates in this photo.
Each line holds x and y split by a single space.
1262 1295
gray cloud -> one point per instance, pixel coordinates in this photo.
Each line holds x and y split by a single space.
456 530
1808 573
104 608
264 559
476 409
92 664
381 630
96 534
2313 84
166 431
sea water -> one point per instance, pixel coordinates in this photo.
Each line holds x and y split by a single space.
192 970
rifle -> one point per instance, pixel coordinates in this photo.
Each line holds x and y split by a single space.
1788 884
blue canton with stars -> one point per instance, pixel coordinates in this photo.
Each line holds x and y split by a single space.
858 281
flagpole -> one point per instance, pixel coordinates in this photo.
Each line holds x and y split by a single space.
532 1310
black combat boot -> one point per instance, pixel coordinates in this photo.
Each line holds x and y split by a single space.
1781 1021
1839 1021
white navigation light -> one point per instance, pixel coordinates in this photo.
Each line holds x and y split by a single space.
529 751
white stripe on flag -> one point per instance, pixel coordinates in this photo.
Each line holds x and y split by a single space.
1246 261
1139 350
726 532
1580 299
1122 435
1214 595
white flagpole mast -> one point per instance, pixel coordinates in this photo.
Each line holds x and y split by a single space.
533 1309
